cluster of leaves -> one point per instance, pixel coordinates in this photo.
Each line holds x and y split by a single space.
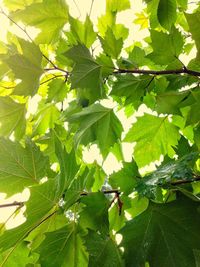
76 211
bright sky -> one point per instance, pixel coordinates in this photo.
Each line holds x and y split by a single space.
80 8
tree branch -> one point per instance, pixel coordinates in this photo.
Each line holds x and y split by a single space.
14 204
183 70
180 182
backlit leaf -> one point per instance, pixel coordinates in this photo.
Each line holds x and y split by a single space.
49 16
20 167
12 117
155 136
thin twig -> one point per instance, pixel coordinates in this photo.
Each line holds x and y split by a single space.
91 6
52 78
112 191
56 68
14 204
179 182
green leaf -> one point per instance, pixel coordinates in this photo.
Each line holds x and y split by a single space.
183 3
166 47
97 123
164 235
45 118
63 247
117 5
14 5
102 247
131 87
170 102
82 33
19 257
26 67
49 16
57 90
179 170
111 45
86 72
138 57
12 117
167 13
155 136
194 23
68 165
95 213
19 166
42 200
125 178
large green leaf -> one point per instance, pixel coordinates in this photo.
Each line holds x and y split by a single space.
97 123
155 136
102 247
166 47
19 166
42 200
12 117
131 87
167 13
49 16
86 72
63 247
164 235
26 67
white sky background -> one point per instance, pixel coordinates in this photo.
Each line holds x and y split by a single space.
80 8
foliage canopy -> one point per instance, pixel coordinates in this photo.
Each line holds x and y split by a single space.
77 211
